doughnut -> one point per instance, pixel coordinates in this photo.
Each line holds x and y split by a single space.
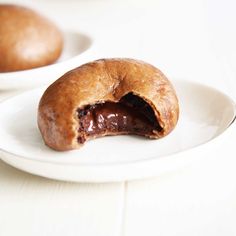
107 97
27 39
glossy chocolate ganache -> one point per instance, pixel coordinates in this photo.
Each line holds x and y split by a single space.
131 115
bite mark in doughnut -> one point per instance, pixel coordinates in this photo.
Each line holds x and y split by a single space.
131 115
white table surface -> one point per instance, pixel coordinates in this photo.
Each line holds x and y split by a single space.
194 40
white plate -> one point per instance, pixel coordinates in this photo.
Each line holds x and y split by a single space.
76 50
204 114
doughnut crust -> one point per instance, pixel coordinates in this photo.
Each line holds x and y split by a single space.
27 39
99 82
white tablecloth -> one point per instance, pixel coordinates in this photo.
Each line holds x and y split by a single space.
194 40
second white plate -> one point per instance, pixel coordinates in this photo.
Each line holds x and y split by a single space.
204 114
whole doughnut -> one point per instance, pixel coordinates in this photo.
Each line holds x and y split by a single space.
27 39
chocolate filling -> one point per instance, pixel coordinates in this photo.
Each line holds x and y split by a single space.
130 115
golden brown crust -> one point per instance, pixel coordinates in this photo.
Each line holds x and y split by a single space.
27 39
99 81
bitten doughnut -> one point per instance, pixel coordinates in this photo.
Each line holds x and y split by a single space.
107 97
27 39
